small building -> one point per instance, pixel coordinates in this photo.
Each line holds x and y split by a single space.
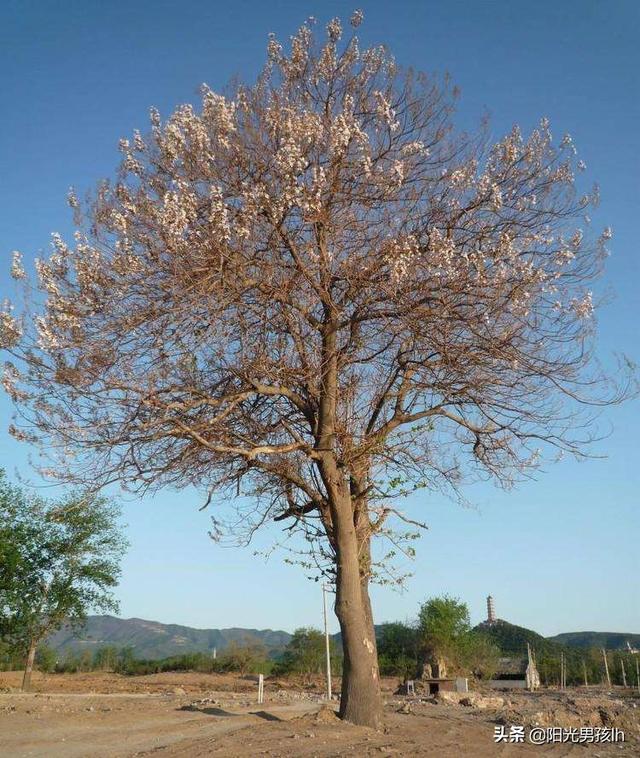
510 674
434 686
516 673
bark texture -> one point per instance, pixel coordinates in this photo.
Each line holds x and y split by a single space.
361 701
26 679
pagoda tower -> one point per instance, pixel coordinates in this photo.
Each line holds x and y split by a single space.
491 611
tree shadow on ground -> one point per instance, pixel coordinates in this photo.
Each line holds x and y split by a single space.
210 711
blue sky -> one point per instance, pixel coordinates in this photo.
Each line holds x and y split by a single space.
559 553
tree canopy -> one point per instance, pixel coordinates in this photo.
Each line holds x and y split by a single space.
58 560
443 630
443 619
330 210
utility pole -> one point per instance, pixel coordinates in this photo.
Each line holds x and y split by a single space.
638 675
606 666
624 675
584 668
326 640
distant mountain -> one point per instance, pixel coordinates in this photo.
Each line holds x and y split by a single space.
512 639
608 640
152 640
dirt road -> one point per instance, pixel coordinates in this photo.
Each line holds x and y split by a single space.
174 715
76 726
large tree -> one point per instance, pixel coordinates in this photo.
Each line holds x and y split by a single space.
315 294
58 561
442 629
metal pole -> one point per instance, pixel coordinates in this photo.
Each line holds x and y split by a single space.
624 674
326 640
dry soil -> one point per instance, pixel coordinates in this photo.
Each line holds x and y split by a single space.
190 714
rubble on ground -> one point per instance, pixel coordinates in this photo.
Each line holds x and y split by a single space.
471 700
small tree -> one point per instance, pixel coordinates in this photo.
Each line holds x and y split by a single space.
46 659
305 653
398 649
244 656
316 294
9 659
58 561
479 655
105 658
125 660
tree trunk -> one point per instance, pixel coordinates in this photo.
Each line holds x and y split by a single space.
361 700
26 679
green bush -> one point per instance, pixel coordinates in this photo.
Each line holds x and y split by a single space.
106 658
10 658
397 650
46 659
248 657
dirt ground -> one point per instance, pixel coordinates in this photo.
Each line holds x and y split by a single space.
191 714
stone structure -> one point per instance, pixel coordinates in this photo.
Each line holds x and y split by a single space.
531 676
432 667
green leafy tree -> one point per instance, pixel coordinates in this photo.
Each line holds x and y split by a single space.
126 661
444 631
479 655
105 658
306 653
397 649
8 658
58 560
443 623
443 626
46 658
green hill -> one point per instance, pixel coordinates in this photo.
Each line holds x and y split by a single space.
580 650
608 640
513 639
